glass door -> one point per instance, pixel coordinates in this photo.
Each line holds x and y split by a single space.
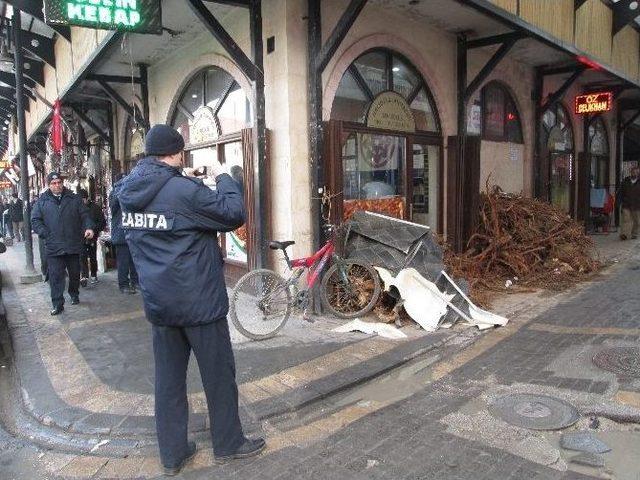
425 180
562 181
235 243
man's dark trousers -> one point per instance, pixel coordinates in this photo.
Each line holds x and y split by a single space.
127 274
212 348
89 259
56 266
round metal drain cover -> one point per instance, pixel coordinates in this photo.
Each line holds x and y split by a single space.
624 361
536 412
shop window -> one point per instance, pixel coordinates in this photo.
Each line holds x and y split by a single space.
557 140
599 151
390 157
500 117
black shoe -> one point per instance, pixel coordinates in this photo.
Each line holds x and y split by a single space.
127 290
84 282
75 300
249 448
623 237
57 310
173 471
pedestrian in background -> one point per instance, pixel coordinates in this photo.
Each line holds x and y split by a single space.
127 275
629 200
16 212
64 222
171 223
88 256
6 219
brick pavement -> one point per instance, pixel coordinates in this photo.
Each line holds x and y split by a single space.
90 370
441 429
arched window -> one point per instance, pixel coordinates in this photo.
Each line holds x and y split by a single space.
379 71
500 117
211 105
557 141
385 122
599 151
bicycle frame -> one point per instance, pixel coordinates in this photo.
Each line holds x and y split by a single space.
316 262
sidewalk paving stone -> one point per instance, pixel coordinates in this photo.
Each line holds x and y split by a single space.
90 370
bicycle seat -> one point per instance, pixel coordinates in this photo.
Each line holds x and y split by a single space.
280 245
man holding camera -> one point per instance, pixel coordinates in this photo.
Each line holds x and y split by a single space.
172 222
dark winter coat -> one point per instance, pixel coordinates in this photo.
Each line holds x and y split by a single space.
171 225
61 223
117 232
16 212
629 195
97 218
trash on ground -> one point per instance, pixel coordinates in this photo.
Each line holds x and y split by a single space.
524 238
382 329
99 444
429 306
393 244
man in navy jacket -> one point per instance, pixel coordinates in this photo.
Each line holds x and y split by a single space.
171 223
63 221
127 275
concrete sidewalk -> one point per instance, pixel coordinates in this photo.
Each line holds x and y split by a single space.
90 372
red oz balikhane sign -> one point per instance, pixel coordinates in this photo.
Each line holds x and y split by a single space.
593 103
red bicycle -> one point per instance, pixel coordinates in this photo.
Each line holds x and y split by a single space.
262 300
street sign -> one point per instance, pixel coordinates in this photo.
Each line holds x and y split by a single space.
593 103
139 16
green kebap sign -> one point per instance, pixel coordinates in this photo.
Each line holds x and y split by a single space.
139 16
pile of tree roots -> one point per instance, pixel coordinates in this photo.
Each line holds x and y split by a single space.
523 243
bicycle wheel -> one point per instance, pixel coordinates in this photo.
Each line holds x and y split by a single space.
350 289
260 304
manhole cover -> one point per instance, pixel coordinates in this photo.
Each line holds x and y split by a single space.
536 412
619 360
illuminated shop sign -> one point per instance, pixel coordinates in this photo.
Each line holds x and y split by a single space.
594 103
140 16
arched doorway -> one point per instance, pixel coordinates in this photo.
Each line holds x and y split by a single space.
599 153
385 142
213 114
558 157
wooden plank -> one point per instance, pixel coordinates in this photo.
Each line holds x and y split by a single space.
594 23
510 6
554 16
624 54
